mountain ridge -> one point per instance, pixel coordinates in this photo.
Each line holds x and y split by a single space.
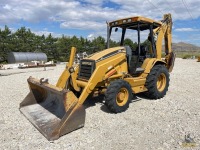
185 47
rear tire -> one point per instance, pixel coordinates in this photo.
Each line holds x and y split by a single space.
157 82
118 96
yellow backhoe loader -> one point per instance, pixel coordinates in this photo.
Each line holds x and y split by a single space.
117 72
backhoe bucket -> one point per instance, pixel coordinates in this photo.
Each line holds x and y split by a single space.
52 110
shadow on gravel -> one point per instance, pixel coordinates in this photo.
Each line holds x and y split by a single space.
143 96
135 98
92 101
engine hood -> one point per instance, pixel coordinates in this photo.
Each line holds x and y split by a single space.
106 53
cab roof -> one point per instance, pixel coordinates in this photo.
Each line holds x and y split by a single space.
132 22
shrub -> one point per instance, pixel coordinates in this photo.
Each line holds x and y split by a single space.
187 56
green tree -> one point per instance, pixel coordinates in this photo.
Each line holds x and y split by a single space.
24 40
146 43
130 43
98 44
63 47
39 43
74 41
5 41
114 43
50 47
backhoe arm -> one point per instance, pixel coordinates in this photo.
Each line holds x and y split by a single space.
165 32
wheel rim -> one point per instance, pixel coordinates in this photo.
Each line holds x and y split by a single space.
122 97
161 82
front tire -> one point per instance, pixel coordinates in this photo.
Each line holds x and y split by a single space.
157 82
118 96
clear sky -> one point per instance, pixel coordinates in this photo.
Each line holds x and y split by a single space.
88 18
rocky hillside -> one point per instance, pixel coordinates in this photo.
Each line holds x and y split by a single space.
185 47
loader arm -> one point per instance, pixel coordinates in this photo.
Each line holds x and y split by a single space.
69 74
97 76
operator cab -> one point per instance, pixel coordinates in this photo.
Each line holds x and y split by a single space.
136 56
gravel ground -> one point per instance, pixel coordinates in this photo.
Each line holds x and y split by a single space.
158 124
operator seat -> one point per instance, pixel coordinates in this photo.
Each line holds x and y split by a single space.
132 59
143 52
128 54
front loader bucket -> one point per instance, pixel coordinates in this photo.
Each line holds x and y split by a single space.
52 110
